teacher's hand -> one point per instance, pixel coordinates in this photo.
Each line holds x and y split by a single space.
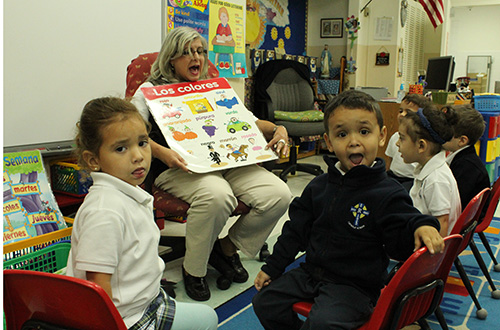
279 142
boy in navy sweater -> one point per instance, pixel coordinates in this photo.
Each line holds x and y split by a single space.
468 169
348 221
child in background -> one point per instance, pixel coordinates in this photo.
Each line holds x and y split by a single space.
348 221
115 239
398 169
421 138
468 169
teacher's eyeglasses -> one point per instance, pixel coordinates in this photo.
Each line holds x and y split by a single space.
200 51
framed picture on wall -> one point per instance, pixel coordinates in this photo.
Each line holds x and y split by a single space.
332 27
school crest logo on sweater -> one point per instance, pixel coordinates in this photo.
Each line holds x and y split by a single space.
359 211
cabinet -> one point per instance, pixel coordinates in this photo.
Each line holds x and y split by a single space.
390 112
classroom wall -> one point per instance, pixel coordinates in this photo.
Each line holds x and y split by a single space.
60 54
318 9
474 31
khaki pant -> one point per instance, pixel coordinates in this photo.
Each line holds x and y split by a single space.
213 197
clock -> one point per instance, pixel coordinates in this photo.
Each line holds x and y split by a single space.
404 12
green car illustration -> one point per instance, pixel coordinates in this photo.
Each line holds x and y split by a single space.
233 127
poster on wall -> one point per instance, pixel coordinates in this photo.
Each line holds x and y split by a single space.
274 24
227 37
207 124
187 13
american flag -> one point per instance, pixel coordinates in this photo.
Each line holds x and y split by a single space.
434 9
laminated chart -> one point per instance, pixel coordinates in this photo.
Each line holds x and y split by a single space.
207 124
29 207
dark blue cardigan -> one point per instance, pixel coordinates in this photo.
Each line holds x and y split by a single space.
349 225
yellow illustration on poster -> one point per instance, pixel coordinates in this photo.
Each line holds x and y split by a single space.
207 124
227 37
189 13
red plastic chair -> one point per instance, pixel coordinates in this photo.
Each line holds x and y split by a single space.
63 301
413 293
481 227
465 226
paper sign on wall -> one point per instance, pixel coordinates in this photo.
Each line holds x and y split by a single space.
207 124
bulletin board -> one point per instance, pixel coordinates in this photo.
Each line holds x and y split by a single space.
226 51
277 24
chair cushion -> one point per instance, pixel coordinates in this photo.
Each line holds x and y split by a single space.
308 115
175 209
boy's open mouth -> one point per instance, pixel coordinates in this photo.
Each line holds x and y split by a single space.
356 159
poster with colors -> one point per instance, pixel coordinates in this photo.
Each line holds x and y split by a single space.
227 38
29 207
207 124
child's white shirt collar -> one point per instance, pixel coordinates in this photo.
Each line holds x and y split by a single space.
337 166
452 155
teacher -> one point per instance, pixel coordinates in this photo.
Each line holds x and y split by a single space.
213 196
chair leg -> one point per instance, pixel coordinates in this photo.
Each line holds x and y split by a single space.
495 293
440 317
496 266
285 172
423 324
310 168
481 313
294 152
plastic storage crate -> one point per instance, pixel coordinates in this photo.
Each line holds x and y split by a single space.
48 260
487 102
69 178
416 89
25 247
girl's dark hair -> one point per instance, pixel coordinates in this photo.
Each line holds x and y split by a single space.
352 99
432 125
96 115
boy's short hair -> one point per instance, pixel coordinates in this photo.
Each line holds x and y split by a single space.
417 99
470 123
352 99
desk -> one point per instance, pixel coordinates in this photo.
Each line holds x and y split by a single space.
390 112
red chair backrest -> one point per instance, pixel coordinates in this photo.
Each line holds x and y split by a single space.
469 216
57 299
138 71
419 269
140 68
491 208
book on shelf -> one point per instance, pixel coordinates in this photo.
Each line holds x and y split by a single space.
29 206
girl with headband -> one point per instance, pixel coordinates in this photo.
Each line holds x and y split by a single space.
421 138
